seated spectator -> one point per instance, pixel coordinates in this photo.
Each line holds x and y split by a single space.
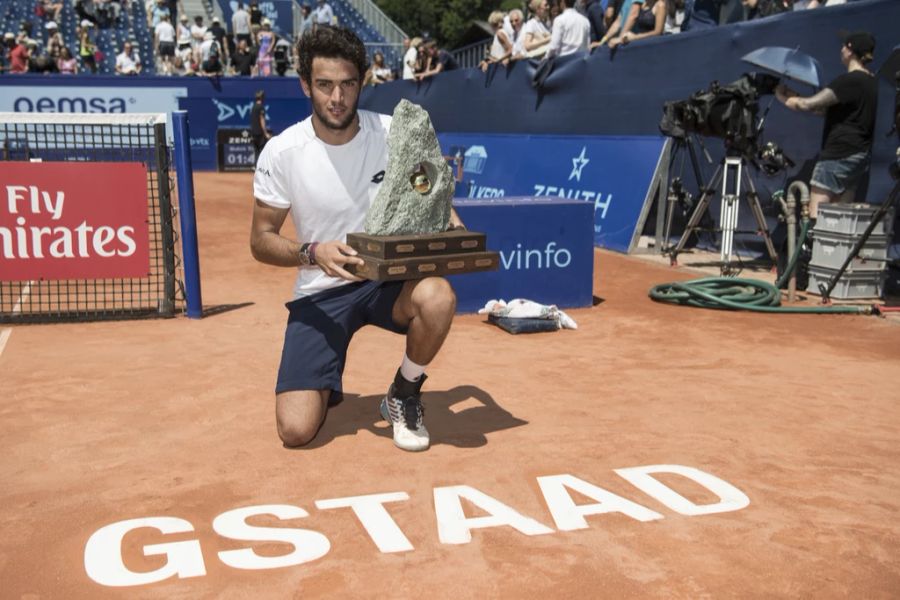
378 72
66 64
49 9
438 61
571 31
758 9
54 40
39 62
243 61
501 47
17 54
212 66
650 22
626 13
536 33
128 62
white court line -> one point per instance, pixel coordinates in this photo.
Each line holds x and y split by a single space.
5 333
4 337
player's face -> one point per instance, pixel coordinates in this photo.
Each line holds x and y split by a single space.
334 92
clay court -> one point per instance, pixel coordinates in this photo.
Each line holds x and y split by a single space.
114 421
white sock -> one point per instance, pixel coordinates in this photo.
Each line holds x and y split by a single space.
410 370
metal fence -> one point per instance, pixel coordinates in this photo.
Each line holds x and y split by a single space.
98 138
471 56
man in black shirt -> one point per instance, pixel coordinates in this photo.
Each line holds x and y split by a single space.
438 61
849 104
258 130
243 61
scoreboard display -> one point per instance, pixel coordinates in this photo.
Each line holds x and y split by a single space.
235 150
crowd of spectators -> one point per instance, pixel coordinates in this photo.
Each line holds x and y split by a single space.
182 44
561 27
185 45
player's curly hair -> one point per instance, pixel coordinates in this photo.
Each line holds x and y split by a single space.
330 42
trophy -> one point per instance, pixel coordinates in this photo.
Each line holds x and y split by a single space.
407 231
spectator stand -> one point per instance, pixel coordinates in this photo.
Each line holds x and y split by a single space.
129 24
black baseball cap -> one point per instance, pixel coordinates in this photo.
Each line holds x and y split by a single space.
862 43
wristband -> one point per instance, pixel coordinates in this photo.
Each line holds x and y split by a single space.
312 253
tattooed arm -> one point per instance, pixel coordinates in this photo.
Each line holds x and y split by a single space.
816 104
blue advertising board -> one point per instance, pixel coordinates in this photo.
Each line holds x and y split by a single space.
208 115
613 174
546 252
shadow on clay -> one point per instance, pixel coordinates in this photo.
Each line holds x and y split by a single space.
460 417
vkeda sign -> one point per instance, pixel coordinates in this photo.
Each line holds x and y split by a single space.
104 563
73 221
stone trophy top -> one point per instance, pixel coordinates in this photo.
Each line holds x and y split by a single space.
417 192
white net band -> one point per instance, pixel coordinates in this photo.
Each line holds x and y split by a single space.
83 118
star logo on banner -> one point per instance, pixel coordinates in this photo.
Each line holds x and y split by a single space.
578 164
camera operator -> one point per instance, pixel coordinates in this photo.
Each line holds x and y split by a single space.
849 104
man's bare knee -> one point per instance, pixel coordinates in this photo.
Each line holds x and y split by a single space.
296 435
434 295
299 415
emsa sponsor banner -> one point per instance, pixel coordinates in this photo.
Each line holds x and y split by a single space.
611 173
546 252
102 100
73 221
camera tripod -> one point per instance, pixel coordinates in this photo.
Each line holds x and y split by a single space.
731 173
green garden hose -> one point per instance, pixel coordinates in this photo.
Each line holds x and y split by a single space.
730 293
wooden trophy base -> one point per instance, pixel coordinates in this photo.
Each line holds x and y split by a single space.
400 257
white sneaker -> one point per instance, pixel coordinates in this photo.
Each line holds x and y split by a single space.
406 417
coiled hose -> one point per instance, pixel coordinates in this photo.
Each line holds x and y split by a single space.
731 293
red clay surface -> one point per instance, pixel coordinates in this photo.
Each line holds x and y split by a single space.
105 422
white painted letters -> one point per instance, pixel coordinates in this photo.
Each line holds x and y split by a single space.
103 553
370 511
308 545
570 516
730 497
455 528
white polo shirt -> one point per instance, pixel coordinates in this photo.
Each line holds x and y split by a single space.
328 189
571 33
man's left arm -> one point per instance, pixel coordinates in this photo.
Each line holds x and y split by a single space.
815 104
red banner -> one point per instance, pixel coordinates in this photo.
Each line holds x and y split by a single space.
73 220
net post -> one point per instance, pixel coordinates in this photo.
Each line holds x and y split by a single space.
167 304
184 176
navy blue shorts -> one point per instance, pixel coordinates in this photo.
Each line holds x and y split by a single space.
319 329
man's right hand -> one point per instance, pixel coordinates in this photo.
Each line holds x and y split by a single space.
332 256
